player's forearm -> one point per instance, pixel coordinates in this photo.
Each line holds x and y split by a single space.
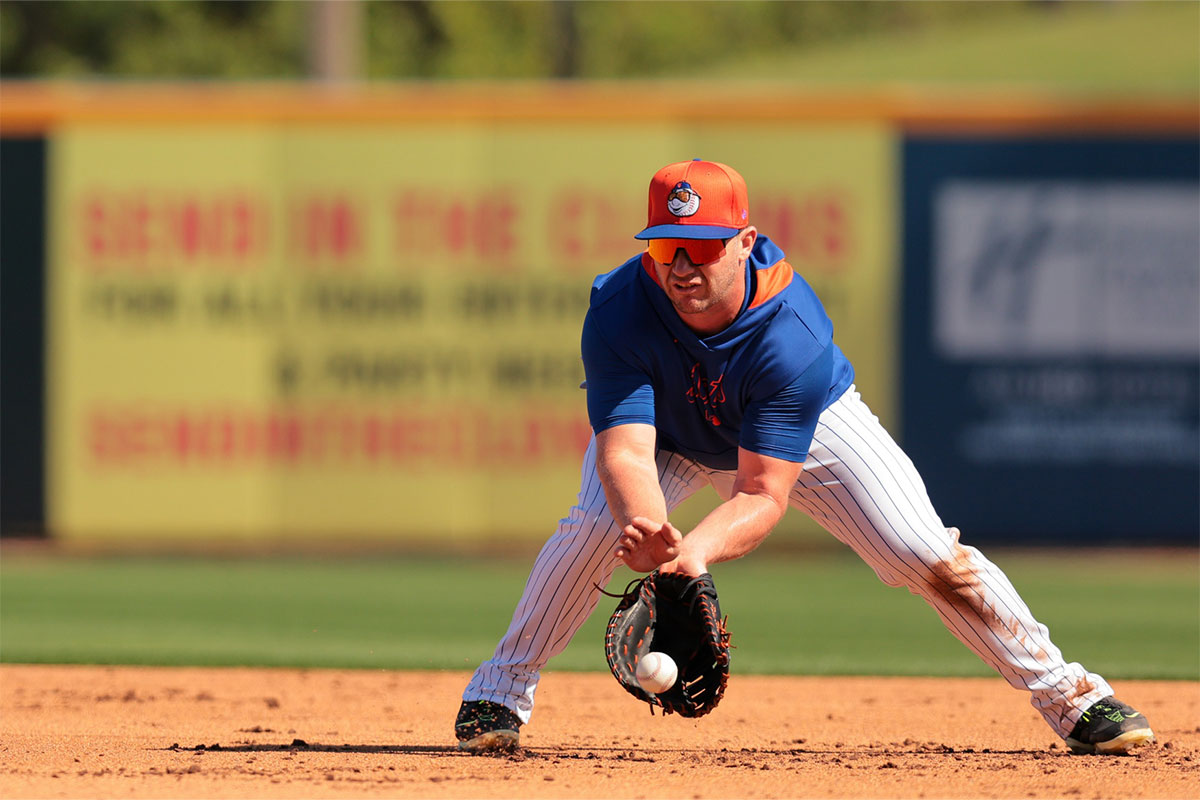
631 487
734 528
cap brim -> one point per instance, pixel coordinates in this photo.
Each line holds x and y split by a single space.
687 232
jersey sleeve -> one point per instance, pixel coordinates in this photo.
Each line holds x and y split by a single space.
782 424
618 393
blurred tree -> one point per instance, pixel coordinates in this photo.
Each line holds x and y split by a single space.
152 39
423 39
404 39
603 39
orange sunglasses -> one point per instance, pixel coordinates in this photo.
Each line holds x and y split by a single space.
700 251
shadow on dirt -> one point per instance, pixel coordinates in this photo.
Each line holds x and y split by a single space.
608 753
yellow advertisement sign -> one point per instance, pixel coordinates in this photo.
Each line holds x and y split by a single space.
263 331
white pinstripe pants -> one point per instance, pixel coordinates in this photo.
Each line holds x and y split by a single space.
863 489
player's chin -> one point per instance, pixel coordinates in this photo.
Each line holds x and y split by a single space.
689 305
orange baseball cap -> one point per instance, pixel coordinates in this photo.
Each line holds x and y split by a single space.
696 200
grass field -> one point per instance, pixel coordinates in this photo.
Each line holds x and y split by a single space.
1126 616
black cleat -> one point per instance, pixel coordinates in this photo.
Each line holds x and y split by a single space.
1110 727
483 727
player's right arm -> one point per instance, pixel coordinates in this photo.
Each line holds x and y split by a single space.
625 464
620 400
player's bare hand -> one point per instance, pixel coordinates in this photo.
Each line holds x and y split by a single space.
645 544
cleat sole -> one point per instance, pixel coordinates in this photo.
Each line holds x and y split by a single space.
501 741
1120 745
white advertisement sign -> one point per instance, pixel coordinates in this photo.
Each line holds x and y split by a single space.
1048 269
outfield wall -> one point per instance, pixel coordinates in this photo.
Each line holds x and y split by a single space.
276 312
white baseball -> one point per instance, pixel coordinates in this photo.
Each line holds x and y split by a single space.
656 672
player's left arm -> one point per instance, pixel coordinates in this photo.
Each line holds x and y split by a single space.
741 523
776 433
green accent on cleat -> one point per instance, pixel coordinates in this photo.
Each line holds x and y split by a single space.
1109 727
486 727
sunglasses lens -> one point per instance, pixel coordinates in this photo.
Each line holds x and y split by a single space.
662 250
700 251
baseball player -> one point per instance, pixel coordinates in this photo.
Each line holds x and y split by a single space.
709 361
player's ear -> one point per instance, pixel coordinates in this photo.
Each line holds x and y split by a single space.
745 240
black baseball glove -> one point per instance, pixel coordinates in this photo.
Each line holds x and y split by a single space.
678 615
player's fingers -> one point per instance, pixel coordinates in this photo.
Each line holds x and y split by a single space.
644 525
664 543
634 563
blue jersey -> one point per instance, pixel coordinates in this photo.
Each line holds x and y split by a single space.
759 384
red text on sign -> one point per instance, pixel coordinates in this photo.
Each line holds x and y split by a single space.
432 223
326 230
151 230
814 229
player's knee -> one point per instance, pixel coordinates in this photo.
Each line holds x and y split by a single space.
928 562
951 577
917 575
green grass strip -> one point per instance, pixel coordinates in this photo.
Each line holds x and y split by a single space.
1125 616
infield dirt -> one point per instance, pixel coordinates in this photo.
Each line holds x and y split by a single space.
138 732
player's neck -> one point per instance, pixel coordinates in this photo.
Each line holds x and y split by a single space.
716 318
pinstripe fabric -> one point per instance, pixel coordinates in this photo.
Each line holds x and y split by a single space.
861 487
560 592
858 485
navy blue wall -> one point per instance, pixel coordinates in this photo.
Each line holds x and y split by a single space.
22 335
965 409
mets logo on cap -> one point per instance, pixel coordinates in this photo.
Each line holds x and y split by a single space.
683 200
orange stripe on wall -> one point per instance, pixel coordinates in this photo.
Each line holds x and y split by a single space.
30 107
